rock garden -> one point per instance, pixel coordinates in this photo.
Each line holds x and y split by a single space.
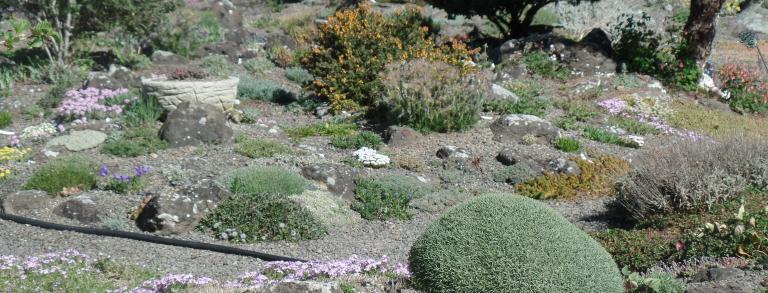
384 146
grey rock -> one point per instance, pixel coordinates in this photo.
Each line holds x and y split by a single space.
562 165
167 58
590 56
322 111
80 208
303 287
124 76
452 152
754 18
79 140
101 80
399 136
502 93
21 202
512 128
338 179
196 124
717 274
181 212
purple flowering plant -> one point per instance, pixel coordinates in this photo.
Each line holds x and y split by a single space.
619 107
92 103
124 184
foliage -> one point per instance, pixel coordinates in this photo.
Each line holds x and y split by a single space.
507 241
693 176
258 180
143 112
258 148
217 65
746 92
597 178
63 79
367 139
652 283
441 200
6 118
248 217
434 96
250 115
258 66
92 103
640 49
568 145
354 46
332 129
517 173
185 32
716 124
263 90
299 75
125 184
634 126
525 105
539 63
387 197
511 18
64 174
638 249
134 142
187 73
604 136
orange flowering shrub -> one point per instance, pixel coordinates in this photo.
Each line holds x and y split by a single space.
351 50
747 93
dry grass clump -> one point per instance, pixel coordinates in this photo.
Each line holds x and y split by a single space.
692 175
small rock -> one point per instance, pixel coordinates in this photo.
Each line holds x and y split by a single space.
196 124
717 274
502 93
399 136
21 202
101 80
339 179
322 111
179 213
512 128
564 166
167 58
79 140
80 208
452 152
507 157
639 140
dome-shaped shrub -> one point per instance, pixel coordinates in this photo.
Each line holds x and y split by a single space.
508 243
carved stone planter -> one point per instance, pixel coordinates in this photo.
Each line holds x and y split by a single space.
171 93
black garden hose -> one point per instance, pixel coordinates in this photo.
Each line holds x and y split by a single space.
146 238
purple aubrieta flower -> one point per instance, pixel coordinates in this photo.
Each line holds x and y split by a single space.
140 170
103 171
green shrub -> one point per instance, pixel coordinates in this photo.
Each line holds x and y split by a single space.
6 118
355 45
603 136
63 79
367 139
517 173
299 75
433 96
332 129
263 90
748 93
634 126
250 115
531 106
258 66
568 145
264 180
637 249
64 173
254 217
217 65
511 242
257 148
143 113
186 31
134 142
538 63
387 196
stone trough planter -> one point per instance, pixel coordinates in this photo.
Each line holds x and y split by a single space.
170 93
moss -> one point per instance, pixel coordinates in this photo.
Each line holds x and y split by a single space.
596 179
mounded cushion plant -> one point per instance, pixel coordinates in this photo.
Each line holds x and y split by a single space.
509 243
64 173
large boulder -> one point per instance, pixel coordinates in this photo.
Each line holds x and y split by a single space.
338 179
195 124
80 208
171 93
175 213
593 55
22 202
512 128
167 58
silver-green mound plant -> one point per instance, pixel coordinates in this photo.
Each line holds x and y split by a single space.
509 243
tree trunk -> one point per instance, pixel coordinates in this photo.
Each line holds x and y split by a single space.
699 31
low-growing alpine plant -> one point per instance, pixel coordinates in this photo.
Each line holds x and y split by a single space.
80 105
124 184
